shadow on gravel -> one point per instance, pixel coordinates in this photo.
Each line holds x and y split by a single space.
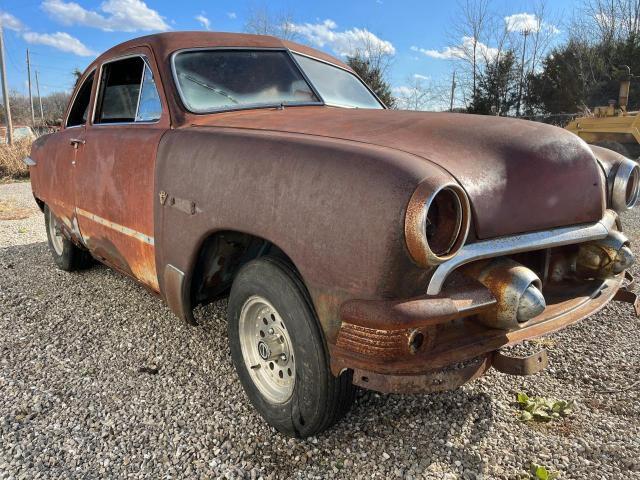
430 427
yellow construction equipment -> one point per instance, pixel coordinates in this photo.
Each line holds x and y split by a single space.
612 126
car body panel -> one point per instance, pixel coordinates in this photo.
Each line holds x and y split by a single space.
518 174
115 190
286 189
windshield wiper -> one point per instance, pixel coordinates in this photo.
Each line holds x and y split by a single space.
212 88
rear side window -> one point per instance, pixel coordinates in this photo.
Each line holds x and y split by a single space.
127 93
80 107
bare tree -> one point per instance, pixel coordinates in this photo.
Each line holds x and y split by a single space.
261 21
420 93
468 36
53 105
607 21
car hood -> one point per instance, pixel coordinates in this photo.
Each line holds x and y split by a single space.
520 176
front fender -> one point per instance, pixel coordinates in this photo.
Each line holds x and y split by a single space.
336 208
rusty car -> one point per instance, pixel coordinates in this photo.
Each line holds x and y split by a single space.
358 246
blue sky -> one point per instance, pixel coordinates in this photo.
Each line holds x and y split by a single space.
63 35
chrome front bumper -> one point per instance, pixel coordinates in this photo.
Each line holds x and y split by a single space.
524 242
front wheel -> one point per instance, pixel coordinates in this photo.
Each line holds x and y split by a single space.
66 255
279 353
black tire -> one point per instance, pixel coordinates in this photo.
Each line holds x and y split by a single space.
319 399
71 257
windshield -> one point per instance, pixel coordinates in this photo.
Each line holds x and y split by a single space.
211 80
337 86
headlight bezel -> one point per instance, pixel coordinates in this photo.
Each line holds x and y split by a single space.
625 186
429 195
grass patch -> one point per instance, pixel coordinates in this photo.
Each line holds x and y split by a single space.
11 165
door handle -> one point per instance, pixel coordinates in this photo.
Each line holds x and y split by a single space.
75 142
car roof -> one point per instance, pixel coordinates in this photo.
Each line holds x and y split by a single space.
164 44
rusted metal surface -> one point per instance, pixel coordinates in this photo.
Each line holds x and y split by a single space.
463 298
435 381
303 194
543 164
385 344
425 254
465 338
530 365
628 294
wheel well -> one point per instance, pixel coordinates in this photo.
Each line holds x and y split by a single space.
220 257
40 203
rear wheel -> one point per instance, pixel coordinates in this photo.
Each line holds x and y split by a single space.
66 255
279 353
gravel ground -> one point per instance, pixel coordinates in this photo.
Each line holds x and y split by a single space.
74 401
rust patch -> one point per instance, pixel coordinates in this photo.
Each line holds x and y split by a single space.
436 381
441 247
385 344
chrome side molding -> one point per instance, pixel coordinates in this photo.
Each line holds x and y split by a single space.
525 242
29 161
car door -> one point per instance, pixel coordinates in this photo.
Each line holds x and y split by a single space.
56 188
115 166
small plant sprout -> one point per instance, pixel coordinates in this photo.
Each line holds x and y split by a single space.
543 409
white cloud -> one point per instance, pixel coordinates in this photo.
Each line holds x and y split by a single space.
521 22
115 15
232 15
420 77
345 42
464 50
528 22
60 40
9 21
204 21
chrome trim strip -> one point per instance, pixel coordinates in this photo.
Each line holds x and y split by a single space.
114 226
556 237
29 161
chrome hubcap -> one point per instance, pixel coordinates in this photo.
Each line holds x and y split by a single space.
267 350
55 234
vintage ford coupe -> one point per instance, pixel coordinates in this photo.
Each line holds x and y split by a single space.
359 246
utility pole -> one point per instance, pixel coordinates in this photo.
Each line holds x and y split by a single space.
453 91
5 91
33 117
524 48
39 99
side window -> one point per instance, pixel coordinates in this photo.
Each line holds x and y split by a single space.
80 107
149 106
127 93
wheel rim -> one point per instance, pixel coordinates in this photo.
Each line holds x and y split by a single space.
267 349
55 235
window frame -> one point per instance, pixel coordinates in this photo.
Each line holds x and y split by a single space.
147 64
75 96
353 74
174 75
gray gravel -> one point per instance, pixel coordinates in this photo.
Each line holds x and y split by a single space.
75 403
